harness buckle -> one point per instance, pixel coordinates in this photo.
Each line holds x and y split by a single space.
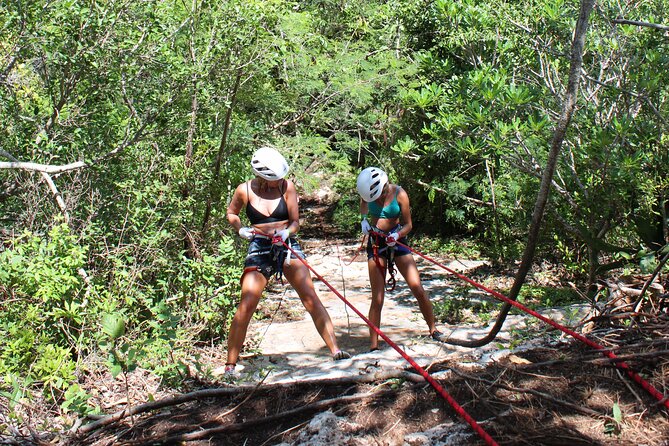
279 256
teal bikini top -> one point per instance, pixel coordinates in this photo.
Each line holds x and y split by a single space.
391 211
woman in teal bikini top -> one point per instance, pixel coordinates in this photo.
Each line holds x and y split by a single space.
390 214
390 211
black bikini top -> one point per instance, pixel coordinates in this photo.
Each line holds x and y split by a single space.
280 213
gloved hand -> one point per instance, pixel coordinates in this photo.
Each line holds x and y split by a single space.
284 234
246 232
392 238
365 226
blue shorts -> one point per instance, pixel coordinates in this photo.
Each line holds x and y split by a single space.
382 246
263 256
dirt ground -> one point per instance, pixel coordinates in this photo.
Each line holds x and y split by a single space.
555 395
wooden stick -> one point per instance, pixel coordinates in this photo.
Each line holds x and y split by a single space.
208 433
229 391
576 407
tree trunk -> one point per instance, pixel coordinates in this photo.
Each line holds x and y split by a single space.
547 177
190 246
219 156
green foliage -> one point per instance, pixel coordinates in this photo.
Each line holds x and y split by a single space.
527 333
455 247
346 216
485 101
460 306
48 310
614 426
452 310
571 257
17 393
76 400
53 320
113 325
535 296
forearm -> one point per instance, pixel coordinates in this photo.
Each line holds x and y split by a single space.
364 208
234 221
293 227
406 229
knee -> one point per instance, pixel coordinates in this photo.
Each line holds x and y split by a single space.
377 301
311 302
419 292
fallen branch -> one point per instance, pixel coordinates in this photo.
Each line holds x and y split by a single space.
208 433
634 356
576 407
229 391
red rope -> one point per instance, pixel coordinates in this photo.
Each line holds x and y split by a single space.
664 400
358 251
460 411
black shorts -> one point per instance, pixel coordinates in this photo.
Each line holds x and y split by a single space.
263 256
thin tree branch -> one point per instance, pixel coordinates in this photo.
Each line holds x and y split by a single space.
643 24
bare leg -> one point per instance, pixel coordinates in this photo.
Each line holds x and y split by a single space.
299 277
407 267
377 281
253 284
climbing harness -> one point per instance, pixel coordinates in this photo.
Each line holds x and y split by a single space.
388 253
454 404
663 399
281 256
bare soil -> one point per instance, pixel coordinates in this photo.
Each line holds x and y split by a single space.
559 395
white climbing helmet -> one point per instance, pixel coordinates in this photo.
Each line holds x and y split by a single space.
371 182
269 164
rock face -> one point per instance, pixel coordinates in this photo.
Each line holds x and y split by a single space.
327 429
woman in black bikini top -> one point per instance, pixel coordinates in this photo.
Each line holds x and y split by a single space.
271 207
279 214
